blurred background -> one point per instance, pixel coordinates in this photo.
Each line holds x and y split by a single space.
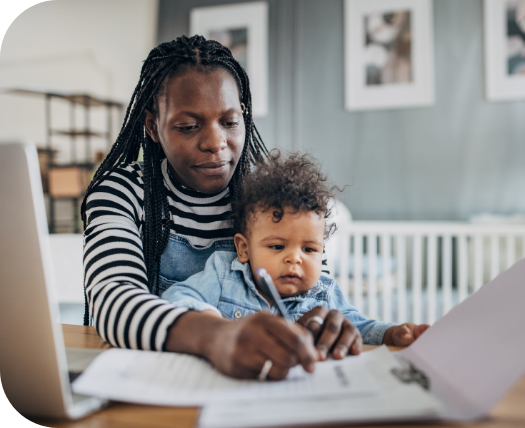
68 69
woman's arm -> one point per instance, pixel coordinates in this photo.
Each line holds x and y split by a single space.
124 312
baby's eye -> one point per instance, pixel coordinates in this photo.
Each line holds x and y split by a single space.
309 250
277 247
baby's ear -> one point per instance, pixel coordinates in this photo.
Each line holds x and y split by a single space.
241 245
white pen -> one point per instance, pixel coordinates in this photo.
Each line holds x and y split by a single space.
267 287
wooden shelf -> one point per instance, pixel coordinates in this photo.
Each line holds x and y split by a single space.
61 181
87 100
84 165
79 133
68 181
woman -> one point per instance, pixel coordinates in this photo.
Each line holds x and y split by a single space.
149 225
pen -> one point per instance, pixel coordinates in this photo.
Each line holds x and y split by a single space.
267 287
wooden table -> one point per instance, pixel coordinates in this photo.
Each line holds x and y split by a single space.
508 413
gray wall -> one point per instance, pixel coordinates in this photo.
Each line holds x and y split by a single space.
460 157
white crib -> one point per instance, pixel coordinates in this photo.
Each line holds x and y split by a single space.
417 271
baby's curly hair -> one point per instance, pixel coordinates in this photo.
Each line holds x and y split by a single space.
282 181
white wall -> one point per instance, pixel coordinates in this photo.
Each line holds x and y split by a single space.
94 46
66 255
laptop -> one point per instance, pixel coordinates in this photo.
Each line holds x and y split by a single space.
33 363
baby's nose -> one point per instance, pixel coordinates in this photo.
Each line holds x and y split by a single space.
293 257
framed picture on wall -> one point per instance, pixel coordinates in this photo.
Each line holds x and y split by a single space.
389 54
504 49
243 28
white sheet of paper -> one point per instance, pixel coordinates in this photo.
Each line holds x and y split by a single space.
476 352
407 406
395 401
177 379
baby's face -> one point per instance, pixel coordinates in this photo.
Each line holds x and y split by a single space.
290 250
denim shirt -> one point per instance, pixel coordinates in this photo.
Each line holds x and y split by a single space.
226 286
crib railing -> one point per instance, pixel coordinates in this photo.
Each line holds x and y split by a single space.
417 271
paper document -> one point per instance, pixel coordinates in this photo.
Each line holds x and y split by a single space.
176 379
476 352
409 404
394 401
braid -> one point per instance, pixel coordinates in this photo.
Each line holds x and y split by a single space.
162 63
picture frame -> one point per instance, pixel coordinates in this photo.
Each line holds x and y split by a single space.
243 27
504 34
389 54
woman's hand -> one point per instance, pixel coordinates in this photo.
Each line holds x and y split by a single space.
240 348
404 334
336 334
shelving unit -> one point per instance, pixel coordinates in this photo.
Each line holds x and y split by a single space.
69 181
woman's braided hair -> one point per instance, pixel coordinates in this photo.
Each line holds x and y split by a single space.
165 61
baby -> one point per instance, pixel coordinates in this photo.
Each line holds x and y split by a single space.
282 225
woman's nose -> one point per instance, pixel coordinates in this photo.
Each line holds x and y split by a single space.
212 139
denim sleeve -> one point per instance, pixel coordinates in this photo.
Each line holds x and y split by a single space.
372 331
200 292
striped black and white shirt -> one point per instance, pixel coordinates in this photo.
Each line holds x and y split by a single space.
124 312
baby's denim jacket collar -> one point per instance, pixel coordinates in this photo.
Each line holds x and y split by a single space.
246 271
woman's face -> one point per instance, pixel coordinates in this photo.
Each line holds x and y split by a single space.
200 127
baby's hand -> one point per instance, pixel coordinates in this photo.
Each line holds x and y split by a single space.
404 334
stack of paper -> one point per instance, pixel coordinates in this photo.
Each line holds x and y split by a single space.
339 390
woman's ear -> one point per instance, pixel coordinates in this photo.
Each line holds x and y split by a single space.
241 245
243 108
150 122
